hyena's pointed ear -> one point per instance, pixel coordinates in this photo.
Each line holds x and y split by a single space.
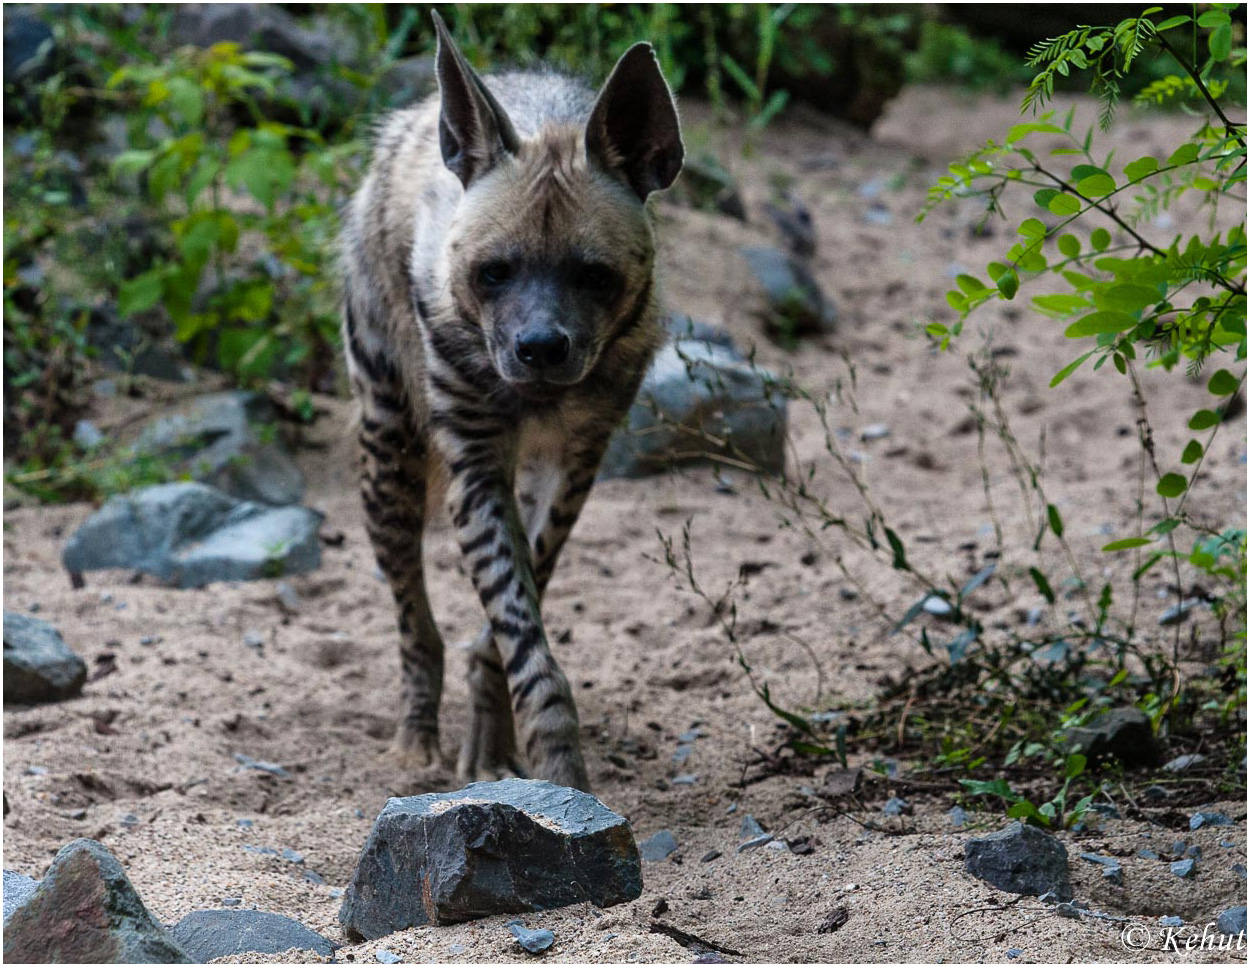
473 130
633 130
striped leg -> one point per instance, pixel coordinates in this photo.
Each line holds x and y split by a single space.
393 484
497 554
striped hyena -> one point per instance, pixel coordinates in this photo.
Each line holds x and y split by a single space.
500 312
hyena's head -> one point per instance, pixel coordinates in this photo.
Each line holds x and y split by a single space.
551 251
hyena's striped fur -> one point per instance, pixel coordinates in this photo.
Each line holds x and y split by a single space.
499 315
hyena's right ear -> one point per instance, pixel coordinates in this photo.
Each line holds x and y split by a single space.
633 130
474 133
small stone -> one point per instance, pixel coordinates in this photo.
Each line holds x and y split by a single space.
1177 613
686 779
35 771
756 842
209 934
1148 854
129 821
657 846
288 597
1240 870
1155 792
1171 922
712 854
1198 820
493 847
385 956
456 949
38 665
958 816
315 878
1114 875
794 303
778 846
1020 859
1068 910
894 806
1183 868
938 606
231 901
253 639
247 762
532 941
874 431
1014 952
1232 922
86 911
750 828
1183 762
1100 860
291 856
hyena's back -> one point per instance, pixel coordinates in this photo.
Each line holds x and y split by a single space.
408 188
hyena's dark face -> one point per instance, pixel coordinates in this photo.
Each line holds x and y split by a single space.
551 252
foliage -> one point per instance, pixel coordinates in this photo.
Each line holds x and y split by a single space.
948 53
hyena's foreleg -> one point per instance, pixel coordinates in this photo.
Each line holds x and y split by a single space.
393 486
550 494
497 554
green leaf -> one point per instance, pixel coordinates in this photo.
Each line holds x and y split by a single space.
1032 228
1061 303
1129 296
140 293
1193 452
1172 22
971 284
1100 239
1221 42
900 554
1222 383
1095 186
1069 245
1098 323
1068 370
1185 154
1140 168
1043 585
1213 18
1171 485
1204 420
1021 130
1127 544
1064 205
1008 284
1056 522
1075 766
131 162
1043 196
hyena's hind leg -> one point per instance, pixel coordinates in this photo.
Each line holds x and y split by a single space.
393 486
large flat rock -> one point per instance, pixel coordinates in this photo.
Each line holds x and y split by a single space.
190 535
513 846
38 665
209 934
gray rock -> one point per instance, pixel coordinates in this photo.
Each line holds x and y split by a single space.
755 842
1198 820
493 847
694 394
1183 868
795 305
1183 762
750 828
29 48
938 606
894 806
387 957
681 326
532 941
1114 874
707 186
1109 861
1014 952
874 431
658 846
1232 921
247 762
17 890
87 435
1020 859
215 439
190 535
1171 922
1177 613
958 816
85 911
1124 734
38 665
208 934
1148 854
261 27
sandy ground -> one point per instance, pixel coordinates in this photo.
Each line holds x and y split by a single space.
157 739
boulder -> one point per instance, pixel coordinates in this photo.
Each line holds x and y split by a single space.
85 911
1124 734
28 48
38 665
1020 859
513 846
17 890
190 535
695 394
209 934
794 304
256 26
216 440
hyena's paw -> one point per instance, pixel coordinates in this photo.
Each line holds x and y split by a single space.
412 751
489 750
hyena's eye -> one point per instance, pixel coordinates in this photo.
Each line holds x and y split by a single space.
494 273
597 277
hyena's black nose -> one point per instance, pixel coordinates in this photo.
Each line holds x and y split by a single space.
542 348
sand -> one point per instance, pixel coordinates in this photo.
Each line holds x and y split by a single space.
156 740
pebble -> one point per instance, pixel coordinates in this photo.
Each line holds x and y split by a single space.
1014 952
750 828
1198 820
657 846
532 941
712 854
247 762
753 843
231 901
958 816
1232 921
937 606
874 431
288 597
1183 868
254 639
1171 922
894 806
387 957
456 949
1194 852
292 856
685 779
1183 762
1148 854
1177 613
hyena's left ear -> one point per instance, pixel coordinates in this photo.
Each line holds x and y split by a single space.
474 132
633 130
